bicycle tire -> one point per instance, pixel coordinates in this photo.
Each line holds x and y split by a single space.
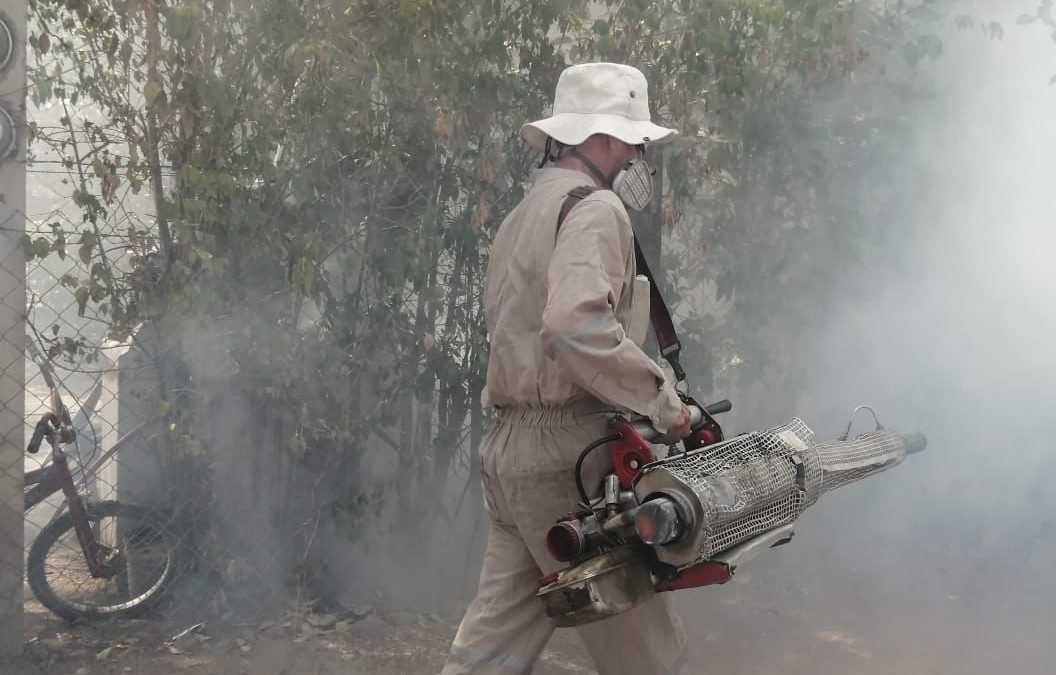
71 610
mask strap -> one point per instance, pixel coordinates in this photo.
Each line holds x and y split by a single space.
605 181
546 152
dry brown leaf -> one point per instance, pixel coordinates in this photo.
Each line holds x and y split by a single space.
444 126
187 125
481 213
486 167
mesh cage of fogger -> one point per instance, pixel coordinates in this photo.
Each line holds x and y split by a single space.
738 489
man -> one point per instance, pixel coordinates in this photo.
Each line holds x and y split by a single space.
566 315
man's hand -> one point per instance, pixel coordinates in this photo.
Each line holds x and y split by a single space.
677 431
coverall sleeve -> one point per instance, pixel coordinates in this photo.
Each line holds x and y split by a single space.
585 278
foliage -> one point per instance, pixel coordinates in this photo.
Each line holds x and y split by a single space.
1042 16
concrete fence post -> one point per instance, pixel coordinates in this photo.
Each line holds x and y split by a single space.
12 317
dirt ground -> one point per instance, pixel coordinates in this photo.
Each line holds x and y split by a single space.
365 642
760 624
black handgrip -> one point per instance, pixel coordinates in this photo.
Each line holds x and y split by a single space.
39 432
719 407
915 442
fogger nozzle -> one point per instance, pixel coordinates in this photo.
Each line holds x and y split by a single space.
658 522
915 442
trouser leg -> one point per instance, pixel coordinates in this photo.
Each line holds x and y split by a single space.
647 640
505 628
528 485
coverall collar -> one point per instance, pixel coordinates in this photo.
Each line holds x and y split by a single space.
552 173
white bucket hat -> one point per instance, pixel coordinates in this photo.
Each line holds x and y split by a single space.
598 98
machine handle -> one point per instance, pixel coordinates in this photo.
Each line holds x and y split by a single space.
646 430
719 407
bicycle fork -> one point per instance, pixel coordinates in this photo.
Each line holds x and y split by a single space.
86 536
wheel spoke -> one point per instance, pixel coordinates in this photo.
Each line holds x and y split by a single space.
135 553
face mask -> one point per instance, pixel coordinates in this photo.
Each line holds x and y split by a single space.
634 184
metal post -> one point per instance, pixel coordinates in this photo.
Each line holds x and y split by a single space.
12 318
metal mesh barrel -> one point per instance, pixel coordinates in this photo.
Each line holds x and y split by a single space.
741 488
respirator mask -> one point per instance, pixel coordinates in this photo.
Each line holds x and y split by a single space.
633 184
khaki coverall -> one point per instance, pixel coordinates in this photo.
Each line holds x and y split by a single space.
565 324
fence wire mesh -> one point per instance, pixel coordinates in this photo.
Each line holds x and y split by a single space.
160 538
239 531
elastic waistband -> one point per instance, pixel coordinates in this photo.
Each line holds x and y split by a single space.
550 416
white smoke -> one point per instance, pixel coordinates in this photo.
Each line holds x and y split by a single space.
944 564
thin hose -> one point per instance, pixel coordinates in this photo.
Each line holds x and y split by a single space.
582 456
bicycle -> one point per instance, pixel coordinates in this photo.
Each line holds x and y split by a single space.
122 559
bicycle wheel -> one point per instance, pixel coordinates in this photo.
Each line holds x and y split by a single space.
138 557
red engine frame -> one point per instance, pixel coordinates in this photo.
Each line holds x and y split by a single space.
631 452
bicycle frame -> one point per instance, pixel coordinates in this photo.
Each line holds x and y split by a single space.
39 484
46 481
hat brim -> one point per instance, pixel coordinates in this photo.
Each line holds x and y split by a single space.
574 128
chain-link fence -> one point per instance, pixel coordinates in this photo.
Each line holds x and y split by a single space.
157 527
122 516
117 519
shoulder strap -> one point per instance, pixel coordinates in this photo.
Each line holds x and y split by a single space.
659 314
575 196
660 317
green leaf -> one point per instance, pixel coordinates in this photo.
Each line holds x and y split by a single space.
84 251
126 53
42 89
41 247
150 92
182 23
192 446
81 294
96 291
931 46
101 272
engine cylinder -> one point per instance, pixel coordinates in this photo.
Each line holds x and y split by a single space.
566 541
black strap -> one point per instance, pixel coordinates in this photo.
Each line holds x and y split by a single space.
575 196
659 314
602 179
660 317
